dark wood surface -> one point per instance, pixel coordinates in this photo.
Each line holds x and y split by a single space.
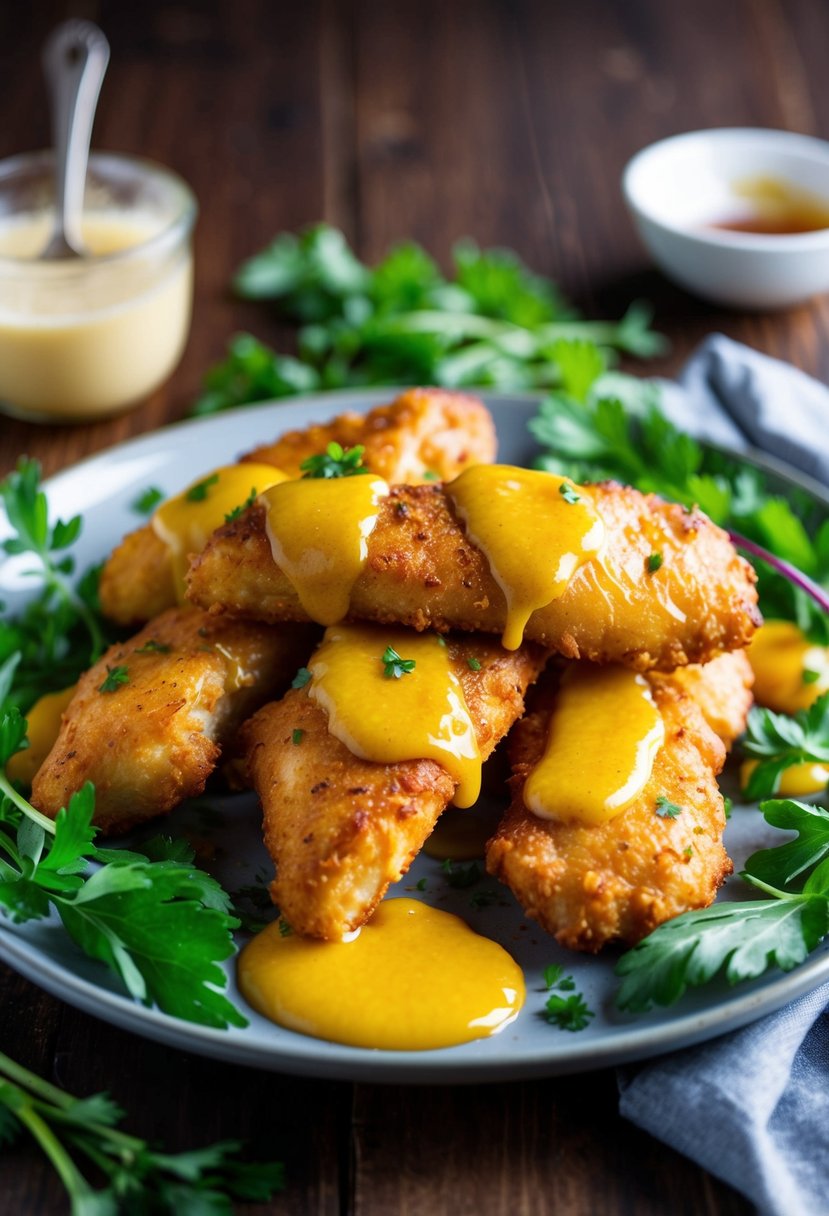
509 122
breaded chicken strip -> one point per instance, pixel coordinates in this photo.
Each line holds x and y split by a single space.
339 828
148 721
424 572
424 432
591 885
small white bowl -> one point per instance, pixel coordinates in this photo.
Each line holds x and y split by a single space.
677 188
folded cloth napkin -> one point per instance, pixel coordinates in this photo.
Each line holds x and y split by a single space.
753 1106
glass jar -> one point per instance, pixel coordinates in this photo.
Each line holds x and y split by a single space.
85 337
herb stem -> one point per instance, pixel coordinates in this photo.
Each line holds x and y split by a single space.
69 1174
28 810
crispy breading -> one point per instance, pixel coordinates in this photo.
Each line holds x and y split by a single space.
155 739
422 571
591 885
339 828
424 432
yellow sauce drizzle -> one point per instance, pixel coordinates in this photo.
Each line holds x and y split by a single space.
319 529
605 732
421 715
809 778
780 654
186 524
533 537
43 721
413 979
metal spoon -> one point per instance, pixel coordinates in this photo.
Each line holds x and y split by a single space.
75 59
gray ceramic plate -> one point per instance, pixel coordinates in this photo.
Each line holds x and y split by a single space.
102 489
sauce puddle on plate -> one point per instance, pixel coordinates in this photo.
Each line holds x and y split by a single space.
412 979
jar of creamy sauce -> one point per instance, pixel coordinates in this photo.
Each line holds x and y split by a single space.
83 338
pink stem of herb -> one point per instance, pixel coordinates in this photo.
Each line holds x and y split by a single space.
790 572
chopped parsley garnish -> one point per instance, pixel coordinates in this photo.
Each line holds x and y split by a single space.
198 492
302 677
568 492
147 501
430 475
401 508
473 664
285 929
568 1012
242 507
688 853
115 677
666 809
483 899
459 876
335 461
394 666
420 885
296 736
655 562
809 676
153 647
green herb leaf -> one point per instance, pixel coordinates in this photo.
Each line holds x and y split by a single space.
394 666
115 677
458 876
568 493
568 1012
335 461
302 677
152 647
242 507
199 491
780 866
296 736
779 741
654 562
666 809
147 501
473 664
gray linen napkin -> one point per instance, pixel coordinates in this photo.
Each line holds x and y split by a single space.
753 1106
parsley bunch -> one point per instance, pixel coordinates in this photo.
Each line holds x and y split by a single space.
159 923
139 1179
741 940
494 323
60 632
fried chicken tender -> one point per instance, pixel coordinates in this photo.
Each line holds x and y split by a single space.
424 432
422 571
591 885
340 829
154 739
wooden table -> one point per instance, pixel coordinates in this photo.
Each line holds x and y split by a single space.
510 122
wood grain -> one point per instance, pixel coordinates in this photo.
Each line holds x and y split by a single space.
509 121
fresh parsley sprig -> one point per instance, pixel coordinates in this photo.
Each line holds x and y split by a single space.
162 926
494 322
394 666
570 1012
335 461
137 1177
743 940
60 631
779 741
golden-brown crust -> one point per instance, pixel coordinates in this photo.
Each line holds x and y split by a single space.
424 431
154 740
339 828
422 571
591 885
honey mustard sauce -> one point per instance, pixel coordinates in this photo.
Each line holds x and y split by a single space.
604 734
43 727
186 522
419 713
796 781
413 978
790 672
535 529
318 531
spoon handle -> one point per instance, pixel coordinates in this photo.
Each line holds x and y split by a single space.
75 59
